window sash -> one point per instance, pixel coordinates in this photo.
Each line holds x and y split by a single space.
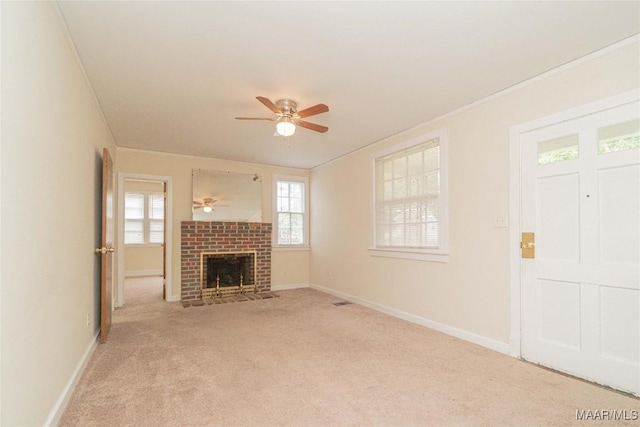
144 218
290 213
407 198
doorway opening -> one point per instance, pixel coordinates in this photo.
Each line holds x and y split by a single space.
144 239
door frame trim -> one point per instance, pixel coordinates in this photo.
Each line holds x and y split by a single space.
515 192
122 176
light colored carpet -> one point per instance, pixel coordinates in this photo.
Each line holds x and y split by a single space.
298 360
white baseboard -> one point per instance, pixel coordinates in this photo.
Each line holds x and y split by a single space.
139 273
63 400
173 298
440 327
287 286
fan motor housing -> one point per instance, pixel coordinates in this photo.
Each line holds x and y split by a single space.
287 106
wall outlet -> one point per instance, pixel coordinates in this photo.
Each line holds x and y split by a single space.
88 320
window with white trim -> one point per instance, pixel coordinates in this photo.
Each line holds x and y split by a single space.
143 218
291 207
410 200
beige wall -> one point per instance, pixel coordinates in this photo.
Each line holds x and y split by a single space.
472 292
52 139
145 259
288 268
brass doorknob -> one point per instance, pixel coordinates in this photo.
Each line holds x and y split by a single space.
104 250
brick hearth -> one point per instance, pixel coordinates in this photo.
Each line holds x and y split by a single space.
205 236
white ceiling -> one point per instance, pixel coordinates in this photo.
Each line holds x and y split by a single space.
171 76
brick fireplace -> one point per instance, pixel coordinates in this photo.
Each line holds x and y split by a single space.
200 237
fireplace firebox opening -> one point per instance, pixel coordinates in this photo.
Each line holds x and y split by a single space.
225 273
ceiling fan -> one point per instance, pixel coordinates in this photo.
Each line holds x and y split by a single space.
288 116
207 204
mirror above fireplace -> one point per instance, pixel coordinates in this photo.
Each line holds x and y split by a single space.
226 196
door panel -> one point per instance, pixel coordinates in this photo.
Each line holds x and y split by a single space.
619 337
106 265
164 242
580 195
619 229
558 231
560 313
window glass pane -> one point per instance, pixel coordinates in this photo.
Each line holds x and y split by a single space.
432 158
558 150
156 206
133 231
295 189
397 214
297 225
622 136
413 212
284 204
432 235
399 167
156 231
415 163
413 238
283 189
388 170
388 190
433 182
397 235
432 209
284 226
134 205
414 186
296 205
399 188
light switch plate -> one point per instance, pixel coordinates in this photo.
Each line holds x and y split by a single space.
500 221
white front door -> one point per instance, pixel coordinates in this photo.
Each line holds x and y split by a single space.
580 295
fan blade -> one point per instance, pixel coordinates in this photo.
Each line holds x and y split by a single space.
270 105
255 118
312 126
311 111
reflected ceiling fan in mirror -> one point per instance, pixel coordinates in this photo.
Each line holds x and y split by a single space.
288 116
207 204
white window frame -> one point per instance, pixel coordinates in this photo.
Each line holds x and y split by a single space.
440 254
290 247
146 220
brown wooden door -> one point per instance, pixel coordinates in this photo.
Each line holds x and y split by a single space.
107 249
164 244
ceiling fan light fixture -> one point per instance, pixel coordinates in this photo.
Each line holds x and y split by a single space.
285 127
207 209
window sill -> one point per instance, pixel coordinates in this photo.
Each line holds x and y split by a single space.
414 254
290 248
